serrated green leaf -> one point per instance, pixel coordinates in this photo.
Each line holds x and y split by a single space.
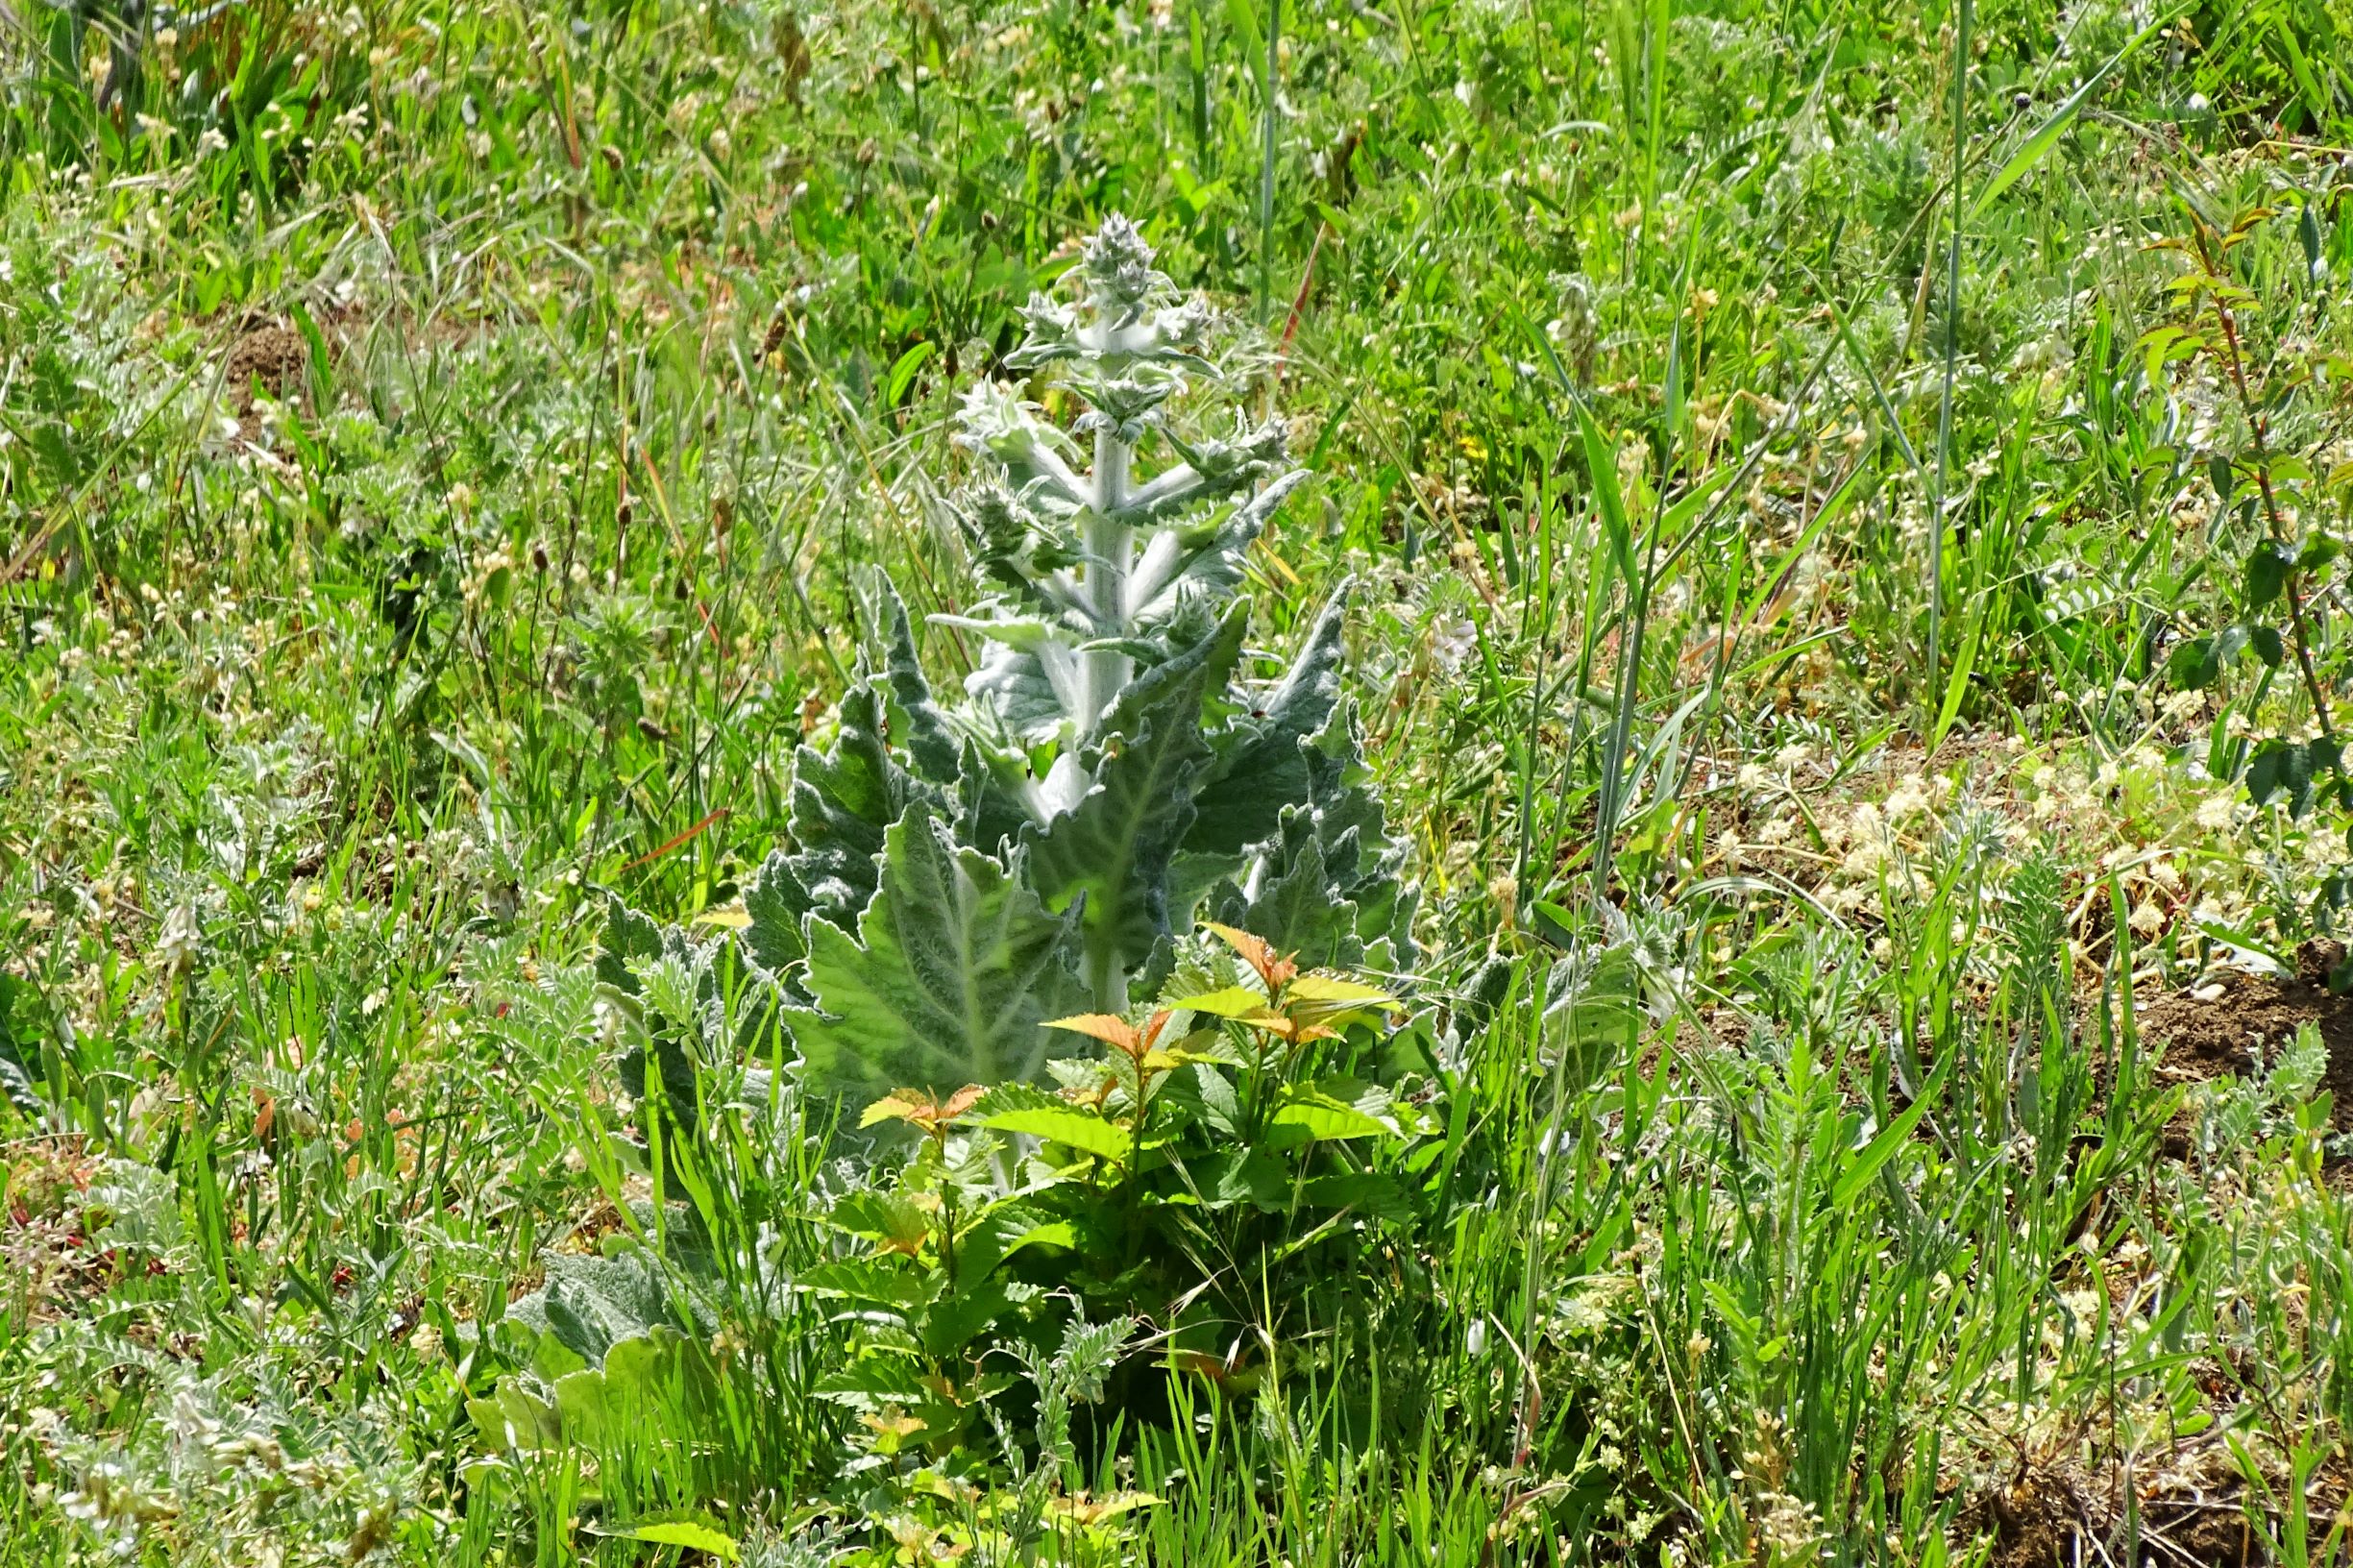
956 1321
691 1537
1336 1108
918 722
843 801
1035 1113
874 1381
1302 906
1231 1002
891 1220
953 972
1328 987
629 937
1260 765
1000 1235
774 903
876 1281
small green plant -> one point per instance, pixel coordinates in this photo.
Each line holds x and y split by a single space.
1158 1166
2276 499
1208 1165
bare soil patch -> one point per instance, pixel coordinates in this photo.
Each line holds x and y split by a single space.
2214 1033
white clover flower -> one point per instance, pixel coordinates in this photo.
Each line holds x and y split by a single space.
1452 638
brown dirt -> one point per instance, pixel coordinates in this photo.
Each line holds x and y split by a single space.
2191 1513
2038 1522
2218 1036
274 356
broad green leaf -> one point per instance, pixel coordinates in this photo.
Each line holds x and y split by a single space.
691 1537
2267 566
2192 665
2282 767
589 1303
580 1406
1261 766
1370 1192
844 803
1336 1108
953 972
1017 1109
1249 1176
1233 1002
917 722
1333 1002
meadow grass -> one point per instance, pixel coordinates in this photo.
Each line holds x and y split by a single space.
442 446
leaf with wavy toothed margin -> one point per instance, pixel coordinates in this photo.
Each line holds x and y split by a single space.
954 970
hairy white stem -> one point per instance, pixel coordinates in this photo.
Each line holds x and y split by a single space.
1109 542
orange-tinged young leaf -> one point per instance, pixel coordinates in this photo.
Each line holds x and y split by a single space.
1106 1027
910 1105
894 1425
1117 1032
900 1105
1274 970
1091 1099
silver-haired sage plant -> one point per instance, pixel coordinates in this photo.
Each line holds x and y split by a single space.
959 873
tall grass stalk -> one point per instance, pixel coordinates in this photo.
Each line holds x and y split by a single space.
1931 692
